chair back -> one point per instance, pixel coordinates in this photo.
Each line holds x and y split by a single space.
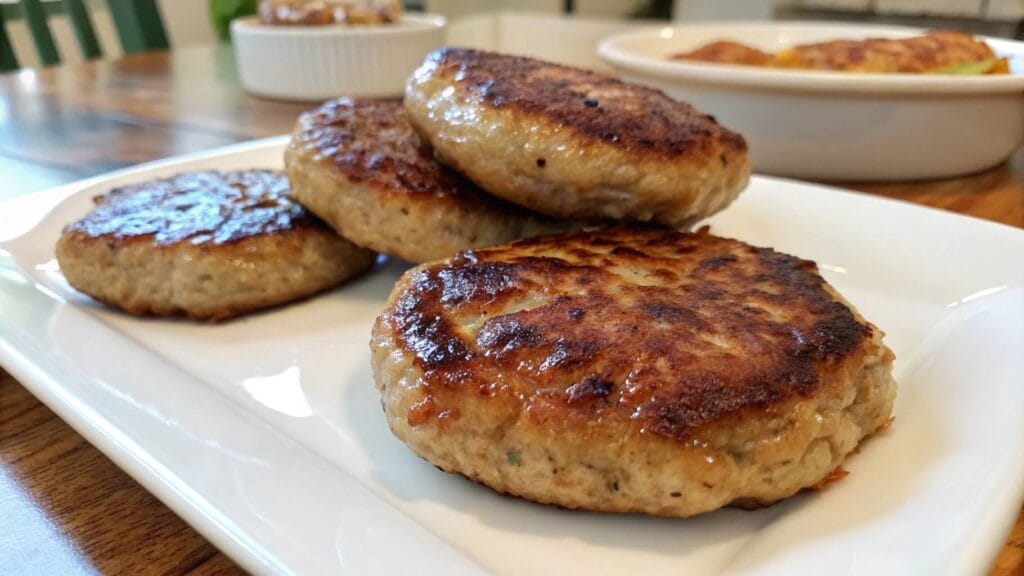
138 23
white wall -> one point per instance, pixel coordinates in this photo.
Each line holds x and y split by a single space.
186 22
990 10
698 10
559 38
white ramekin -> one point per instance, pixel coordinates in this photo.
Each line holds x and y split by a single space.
835 125
320 62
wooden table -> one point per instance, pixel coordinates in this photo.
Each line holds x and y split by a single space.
65 508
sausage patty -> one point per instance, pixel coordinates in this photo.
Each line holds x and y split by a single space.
573 143
207 245
630 371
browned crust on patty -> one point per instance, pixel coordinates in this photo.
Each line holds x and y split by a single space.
360 166
371 143
659 332
198 208
596 107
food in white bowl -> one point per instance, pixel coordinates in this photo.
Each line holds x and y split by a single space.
320 12
934 52
836 125
299 61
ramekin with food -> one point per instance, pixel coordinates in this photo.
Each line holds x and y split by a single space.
314 50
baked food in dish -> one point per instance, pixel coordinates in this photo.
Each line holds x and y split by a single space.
207 245
325 12
572 143
359 165
936 52
630 371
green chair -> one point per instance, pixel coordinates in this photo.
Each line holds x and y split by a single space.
138 24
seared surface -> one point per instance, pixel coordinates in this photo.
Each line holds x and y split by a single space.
615 350
199 207
370 142
595 106
208 245
359 165
574 143
700 326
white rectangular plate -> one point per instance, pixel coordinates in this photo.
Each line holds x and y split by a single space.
267 435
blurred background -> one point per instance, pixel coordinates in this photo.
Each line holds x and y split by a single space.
190 22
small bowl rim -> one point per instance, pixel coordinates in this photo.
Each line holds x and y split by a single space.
409 23
613 51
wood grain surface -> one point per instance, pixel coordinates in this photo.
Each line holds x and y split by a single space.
64 507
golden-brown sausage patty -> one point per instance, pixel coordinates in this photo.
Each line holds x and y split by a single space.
359 165
573 143
208 245
630 371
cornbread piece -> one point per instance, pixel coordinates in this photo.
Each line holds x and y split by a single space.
207 245
728 52
938 51
572 143
630 371
359 165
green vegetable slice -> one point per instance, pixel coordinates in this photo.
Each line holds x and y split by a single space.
969 68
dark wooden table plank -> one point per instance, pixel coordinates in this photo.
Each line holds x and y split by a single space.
100 143
65 508
996 194
194 88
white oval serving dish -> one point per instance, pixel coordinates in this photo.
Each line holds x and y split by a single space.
835 125
320 62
